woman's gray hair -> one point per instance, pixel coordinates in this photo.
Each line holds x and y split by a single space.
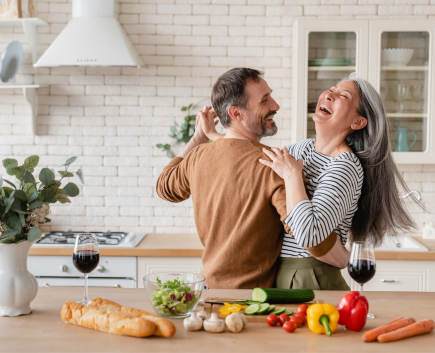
380 211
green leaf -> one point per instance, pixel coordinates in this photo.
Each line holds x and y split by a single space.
20 195
8 191
65 174
34 234
69 161
190 106
8 233
71 189
29 179
1 181
80 175
46 176
179 136
191 131
173 129
12 184
9 202
62 198
15 223
22 219
30 163
159 145
183 109
169 154
33 197
10 163
35 204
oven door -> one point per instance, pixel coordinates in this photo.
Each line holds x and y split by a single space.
80 282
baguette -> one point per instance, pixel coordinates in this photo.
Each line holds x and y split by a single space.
106 321
164 328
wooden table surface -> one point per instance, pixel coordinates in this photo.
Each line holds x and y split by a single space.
44 331
188 245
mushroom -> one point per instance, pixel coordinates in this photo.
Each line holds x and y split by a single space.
234 322
214 324
193 323
243 317
203 315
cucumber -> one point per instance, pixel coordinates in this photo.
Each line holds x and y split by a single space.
241 300
252 309
263 308
270 309
278 311
282 296
252 302
288 312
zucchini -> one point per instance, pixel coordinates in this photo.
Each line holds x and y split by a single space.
252 309
282 296
278 311
263 308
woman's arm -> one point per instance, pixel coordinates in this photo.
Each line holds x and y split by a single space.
208 123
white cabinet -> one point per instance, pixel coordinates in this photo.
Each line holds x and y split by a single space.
327 50
149 265
400 276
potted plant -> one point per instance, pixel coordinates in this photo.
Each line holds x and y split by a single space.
24 206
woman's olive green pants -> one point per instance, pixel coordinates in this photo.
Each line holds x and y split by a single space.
309 273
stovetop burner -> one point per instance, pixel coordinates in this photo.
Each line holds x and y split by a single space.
103 238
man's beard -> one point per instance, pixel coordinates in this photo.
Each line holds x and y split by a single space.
258 126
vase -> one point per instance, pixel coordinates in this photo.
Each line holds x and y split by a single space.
18 287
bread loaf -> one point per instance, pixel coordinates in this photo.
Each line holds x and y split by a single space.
107 321
164 328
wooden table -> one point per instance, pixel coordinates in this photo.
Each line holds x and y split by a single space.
43 330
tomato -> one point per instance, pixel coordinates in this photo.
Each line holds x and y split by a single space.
272 320
303 317
283 318
303 309
297 320
289 326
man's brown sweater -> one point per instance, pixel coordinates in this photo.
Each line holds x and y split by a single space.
239 205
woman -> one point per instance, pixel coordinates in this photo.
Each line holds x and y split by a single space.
351 184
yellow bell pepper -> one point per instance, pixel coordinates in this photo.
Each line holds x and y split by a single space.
322 318
228 308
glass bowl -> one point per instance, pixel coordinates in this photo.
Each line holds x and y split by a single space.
396 56
174 295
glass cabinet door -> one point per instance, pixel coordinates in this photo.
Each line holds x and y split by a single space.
324 52
399 68
331 56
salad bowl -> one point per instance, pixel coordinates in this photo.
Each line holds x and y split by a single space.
174 295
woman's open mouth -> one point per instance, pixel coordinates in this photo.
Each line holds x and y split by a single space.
325 109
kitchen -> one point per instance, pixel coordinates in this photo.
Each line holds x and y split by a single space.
112 118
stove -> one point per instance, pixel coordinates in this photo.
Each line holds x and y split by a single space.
105 239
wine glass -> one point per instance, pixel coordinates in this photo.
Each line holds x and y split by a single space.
398 93
362 266
417 92
86 257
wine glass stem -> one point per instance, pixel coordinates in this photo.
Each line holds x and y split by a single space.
85 299
361 290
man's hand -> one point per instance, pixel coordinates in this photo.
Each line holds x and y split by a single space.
207 119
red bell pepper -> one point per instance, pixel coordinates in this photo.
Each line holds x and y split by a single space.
353 310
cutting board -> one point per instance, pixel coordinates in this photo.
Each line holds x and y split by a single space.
214 308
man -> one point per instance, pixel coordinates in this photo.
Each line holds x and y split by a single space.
239 204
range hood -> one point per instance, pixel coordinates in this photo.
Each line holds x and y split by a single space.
93 37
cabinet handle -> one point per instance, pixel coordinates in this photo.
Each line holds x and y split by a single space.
46 285
64 268
389 280
100 268
117 286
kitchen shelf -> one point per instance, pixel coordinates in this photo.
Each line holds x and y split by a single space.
404 68
331 68
394 115
29 92
29 26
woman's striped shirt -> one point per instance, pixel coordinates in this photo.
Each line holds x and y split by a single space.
334 187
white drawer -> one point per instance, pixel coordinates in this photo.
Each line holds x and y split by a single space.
51 266
400 280
80 282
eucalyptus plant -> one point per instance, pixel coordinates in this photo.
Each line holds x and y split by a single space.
25 203
180 133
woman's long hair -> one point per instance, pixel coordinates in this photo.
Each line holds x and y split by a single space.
380 210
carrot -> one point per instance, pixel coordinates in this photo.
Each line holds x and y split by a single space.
371 335
415 329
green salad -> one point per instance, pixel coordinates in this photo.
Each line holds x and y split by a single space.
174 297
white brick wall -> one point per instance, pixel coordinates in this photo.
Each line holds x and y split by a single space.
111 118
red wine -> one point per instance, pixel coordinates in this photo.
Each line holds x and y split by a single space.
86 260
362 271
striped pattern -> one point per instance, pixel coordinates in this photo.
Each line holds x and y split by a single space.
334 186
